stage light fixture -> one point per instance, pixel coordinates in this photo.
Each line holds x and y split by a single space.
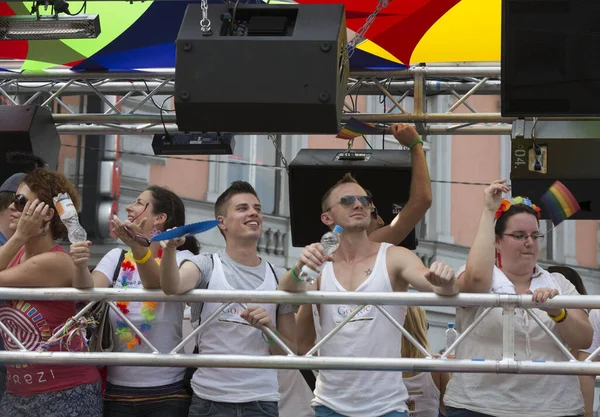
49 27
205 143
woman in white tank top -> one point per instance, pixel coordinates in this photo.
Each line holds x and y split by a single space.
424 388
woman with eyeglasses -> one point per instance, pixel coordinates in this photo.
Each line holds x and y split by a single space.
32 258
130 390
503 259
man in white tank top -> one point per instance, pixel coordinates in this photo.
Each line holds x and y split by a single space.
225 392
362 265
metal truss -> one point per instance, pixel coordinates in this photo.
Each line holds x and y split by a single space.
292 361
418 82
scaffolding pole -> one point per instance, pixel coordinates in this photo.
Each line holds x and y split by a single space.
461 81
304 297
364 88
300 362
507 302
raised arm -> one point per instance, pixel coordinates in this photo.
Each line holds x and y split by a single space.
406 268
479 271
420 190
50 269
173 279
80 253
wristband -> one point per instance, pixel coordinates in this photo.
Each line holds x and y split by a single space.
296 277
144 259
415 142
271 341
561 317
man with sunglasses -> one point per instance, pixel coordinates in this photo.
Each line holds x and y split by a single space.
238 329
359 264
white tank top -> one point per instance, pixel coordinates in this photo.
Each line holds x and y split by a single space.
369 334
424 396
229 334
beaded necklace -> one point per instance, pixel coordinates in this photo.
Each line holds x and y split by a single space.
123 331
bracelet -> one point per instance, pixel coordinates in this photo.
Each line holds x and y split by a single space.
270 341
415 142
561 317
296 277
144 259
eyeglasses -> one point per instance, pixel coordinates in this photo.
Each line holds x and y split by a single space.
139 238
349 200
20 201
535 236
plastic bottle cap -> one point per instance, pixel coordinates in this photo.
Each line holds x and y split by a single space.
451 325
338 229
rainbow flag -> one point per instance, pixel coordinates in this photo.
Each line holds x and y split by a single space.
560 202
354 128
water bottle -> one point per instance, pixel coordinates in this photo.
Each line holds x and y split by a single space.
330 242
451 335
68 215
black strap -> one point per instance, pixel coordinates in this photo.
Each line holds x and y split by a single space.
277 281
118 268
309 377
274 274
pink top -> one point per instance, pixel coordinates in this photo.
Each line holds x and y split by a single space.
33 322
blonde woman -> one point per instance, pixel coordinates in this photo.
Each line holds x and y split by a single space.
425 389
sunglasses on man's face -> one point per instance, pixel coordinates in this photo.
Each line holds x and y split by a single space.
139 238
20 201
349 200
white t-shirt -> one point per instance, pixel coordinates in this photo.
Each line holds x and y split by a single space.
228 333
505 395
164 334
295 394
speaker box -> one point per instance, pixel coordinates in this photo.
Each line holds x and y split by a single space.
570 161
386 174
264 68
28 129
549 58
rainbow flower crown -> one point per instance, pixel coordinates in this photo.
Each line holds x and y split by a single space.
505 205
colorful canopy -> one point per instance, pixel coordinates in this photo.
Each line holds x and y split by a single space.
141 35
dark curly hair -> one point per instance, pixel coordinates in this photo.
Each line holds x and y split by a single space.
46 184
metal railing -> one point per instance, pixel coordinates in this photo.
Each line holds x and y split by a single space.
292 361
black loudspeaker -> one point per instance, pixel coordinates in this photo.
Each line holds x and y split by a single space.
29 129
573 162
549 58
386 174
264 68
